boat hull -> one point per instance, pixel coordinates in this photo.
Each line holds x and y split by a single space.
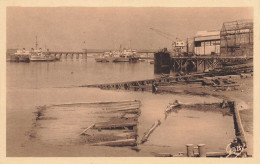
24 58
57 58
123 59
110 59
14 58
41 58
101 60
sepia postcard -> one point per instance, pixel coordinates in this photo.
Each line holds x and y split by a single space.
163 81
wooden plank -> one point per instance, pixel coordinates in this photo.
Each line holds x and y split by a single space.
84 131
100 103
239 124
127 142
127 115
149 132
134 106
126 135
106 125
135 110
234 85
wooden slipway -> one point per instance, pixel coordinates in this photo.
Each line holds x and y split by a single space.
97 124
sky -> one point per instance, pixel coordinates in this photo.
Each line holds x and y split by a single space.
75 28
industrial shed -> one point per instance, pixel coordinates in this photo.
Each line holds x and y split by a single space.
207 43
236 38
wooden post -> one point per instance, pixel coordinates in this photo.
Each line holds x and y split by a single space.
190 152
239 125
204 63
213 63
197 65
180 64
202 150
84 132
173 65
149 132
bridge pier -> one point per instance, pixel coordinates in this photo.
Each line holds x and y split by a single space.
68 54
77 56
200 64
85 52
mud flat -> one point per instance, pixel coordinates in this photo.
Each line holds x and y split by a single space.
226 108
231 83
242 94
116 124
97 124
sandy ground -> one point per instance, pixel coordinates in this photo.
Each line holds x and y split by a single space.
20 119
243 95
17 146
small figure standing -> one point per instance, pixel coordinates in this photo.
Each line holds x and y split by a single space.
154 87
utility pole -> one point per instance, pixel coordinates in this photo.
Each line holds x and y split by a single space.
187 46
85 49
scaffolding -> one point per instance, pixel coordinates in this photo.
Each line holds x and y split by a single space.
236 38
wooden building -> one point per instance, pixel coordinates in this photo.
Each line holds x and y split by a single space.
207 43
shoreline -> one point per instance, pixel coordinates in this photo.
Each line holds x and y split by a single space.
231 83
243 95
178 91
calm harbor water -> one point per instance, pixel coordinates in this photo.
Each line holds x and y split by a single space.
36 84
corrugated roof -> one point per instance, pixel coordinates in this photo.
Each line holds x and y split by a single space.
238 26
207 35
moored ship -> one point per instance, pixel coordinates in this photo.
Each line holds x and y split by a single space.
127 56
32 55
39 55
21 56
106 57
118 56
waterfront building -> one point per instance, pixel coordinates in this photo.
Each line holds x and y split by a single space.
237 38
207 43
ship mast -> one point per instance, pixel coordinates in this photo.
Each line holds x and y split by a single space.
36 44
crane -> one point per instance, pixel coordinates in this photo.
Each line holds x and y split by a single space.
164 34
177 45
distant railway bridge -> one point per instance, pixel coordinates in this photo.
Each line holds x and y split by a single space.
85 53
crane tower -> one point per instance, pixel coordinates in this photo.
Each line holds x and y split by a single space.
178 46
